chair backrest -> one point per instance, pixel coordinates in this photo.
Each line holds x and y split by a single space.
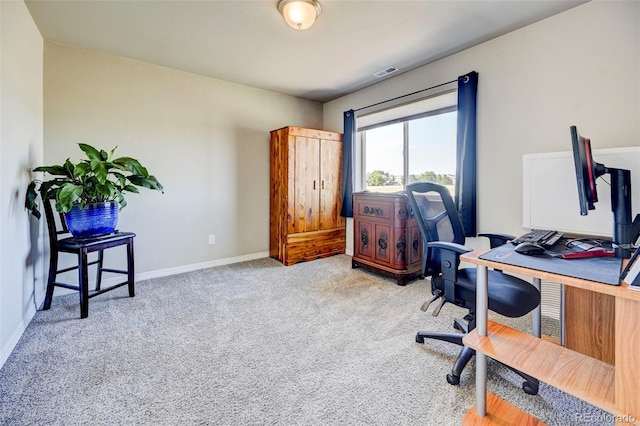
437 218
56 225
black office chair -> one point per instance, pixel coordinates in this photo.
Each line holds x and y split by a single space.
443 237
57 227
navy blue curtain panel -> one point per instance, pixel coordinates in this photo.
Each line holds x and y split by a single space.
348 142
466 152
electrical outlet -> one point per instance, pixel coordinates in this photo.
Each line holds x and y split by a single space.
212 239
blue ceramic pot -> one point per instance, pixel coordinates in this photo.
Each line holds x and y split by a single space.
92 220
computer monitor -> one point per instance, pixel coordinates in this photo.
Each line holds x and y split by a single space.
586 170
625 231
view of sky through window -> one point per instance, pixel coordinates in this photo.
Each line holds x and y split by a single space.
431 150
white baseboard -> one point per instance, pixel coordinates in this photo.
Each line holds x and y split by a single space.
198 266
17 334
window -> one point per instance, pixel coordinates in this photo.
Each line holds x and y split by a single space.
409 143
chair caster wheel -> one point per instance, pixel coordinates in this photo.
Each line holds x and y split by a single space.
453 380
419 339
529 389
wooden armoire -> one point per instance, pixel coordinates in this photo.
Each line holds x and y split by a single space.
306 170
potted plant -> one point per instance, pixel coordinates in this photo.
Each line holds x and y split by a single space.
90 192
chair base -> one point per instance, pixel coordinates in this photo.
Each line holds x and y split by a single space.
529 386
49 293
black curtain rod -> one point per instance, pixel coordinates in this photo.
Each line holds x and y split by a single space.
404 96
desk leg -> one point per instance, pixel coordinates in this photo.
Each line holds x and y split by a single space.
537 312
562 314
482 304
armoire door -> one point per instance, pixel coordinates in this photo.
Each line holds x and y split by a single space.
330 182
306 186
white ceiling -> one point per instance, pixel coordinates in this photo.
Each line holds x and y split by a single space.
248 42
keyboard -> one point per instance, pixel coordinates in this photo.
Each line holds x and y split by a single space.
539 236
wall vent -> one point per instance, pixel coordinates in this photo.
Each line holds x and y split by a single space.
385 72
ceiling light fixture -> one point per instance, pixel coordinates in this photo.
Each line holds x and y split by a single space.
299 14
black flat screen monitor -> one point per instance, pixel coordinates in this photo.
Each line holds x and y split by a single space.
625 230
585 171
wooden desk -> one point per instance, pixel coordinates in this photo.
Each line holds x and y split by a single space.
612 388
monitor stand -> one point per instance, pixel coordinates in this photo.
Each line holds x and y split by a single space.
625 231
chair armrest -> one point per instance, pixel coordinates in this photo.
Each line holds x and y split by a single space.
496 240
453 247
449 260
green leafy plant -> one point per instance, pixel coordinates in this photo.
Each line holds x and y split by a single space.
99 178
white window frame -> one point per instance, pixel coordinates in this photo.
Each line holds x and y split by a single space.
439 103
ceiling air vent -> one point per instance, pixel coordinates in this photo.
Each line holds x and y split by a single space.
385 72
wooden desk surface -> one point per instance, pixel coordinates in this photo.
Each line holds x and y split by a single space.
622 290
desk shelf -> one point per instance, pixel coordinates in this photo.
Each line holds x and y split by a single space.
500 413
586 378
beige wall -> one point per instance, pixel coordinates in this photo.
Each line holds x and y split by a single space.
580 67
21 286
206 140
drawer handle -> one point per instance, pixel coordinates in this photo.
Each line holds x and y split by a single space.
375 211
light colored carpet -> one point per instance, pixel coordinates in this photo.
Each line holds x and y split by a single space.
253 343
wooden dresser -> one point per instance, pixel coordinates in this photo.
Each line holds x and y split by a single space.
386 238
306 170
